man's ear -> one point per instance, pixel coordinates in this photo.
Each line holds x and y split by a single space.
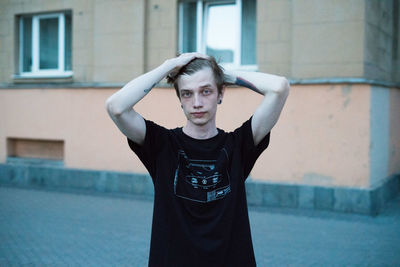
221 95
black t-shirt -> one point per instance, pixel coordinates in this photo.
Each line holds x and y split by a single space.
200 215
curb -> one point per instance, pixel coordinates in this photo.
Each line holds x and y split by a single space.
369 201
77 180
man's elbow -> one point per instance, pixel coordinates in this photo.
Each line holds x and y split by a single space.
284 86
112 109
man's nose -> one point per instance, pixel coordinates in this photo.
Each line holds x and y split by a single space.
197 101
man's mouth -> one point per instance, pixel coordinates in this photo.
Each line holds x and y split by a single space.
198 114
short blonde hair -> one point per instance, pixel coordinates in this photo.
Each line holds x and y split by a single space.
196 65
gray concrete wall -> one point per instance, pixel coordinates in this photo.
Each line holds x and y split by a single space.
379 134
381 45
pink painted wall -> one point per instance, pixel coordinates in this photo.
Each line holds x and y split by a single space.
322 137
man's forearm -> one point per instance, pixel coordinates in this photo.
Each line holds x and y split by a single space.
136 89
261 83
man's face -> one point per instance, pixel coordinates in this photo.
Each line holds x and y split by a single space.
199 96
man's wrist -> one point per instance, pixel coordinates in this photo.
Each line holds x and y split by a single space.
168 66
229 77
245 83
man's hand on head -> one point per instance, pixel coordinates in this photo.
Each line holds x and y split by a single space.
229 77
182 60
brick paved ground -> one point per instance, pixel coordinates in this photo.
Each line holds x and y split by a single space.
39 228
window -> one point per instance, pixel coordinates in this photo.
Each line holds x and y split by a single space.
45 45
223 29
37 151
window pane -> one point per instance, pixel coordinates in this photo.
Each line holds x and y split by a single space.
48 43
222 32
26 44
68 42
248 56
188 27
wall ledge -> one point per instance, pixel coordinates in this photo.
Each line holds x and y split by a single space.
53 85
259 194
163 84
344 80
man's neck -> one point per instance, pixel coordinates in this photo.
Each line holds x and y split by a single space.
200 131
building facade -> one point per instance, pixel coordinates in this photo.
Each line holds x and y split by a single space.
340 128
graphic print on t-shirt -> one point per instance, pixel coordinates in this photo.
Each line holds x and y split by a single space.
202 180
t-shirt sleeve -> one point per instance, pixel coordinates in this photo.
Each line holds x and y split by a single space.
148 151
250 152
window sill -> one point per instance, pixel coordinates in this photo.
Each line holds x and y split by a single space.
34 78
34 161
239 68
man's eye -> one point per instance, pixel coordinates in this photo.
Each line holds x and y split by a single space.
186 94
206 91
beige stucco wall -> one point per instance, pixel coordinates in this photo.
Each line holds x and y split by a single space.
311 38
328 38
108 37
114 41
118 40
160 31
274 36
322 137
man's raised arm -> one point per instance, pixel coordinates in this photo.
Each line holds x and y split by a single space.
120 105
275 90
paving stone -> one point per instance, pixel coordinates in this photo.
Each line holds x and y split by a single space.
62 229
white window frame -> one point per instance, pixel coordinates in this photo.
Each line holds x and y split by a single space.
202 8
36 72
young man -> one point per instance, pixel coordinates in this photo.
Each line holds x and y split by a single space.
200 213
